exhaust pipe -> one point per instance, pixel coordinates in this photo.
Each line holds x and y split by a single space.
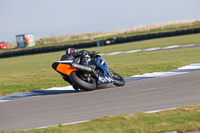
83 68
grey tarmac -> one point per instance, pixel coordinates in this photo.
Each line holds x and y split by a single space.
144 95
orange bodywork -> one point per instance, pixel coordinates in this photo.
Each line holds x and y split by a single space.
65 69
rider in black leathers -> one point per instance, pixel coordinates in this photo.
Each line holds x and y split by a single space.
80 57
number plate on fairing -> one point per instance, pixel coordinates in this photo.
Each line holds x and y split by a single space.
107 79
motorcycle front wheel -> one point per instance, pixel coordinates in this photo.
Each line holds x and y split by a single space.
118 80
87 85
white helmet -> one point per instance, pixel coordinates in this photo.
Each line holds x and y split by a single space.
70 51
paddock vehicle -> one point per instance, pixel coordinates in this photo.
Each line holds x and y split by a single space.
86 70
3 45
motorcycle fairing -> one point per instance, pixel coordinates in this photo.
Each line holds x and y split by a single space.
64 67
106 77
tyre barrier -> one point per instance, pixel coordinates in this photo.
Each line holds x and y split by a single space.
45 49
109 41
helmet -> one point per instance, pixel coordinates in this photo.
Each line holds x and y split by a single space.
70 51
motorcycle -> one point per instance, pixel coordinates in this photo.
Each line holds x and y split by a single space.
87 71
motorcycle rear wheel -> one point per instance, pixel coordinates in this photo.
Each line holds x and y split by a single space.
118 80
81 84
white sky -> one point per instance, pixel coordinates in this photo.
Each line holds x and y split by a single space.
58 17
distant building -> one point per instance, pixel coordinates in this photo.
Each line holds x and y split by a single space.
25 40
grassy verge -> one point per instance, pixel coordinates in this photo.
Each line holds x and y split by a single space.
32 72
140 63
163 42
186 118
124 34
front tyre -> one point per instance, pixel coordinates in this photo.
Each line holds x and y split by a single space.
87 85
118 80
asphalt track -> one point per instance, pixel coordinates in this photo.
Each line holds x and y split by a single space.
143 95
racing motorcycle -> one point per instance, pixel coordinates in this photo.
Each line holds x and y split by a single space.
86 70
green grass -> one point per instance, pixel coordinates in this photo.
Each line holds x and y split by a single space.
163 42
157 30
186 118
140 63
32 72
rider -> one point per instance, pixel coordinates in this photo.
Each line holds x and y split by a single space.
68 54
80 56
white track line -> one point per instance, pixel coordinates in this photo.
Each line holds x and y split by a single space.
181 70
1 101
174 46
150 49
155 111
61 88
70 123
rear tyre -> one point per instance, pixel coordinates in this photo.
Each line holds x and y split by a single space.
82 84
118 80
